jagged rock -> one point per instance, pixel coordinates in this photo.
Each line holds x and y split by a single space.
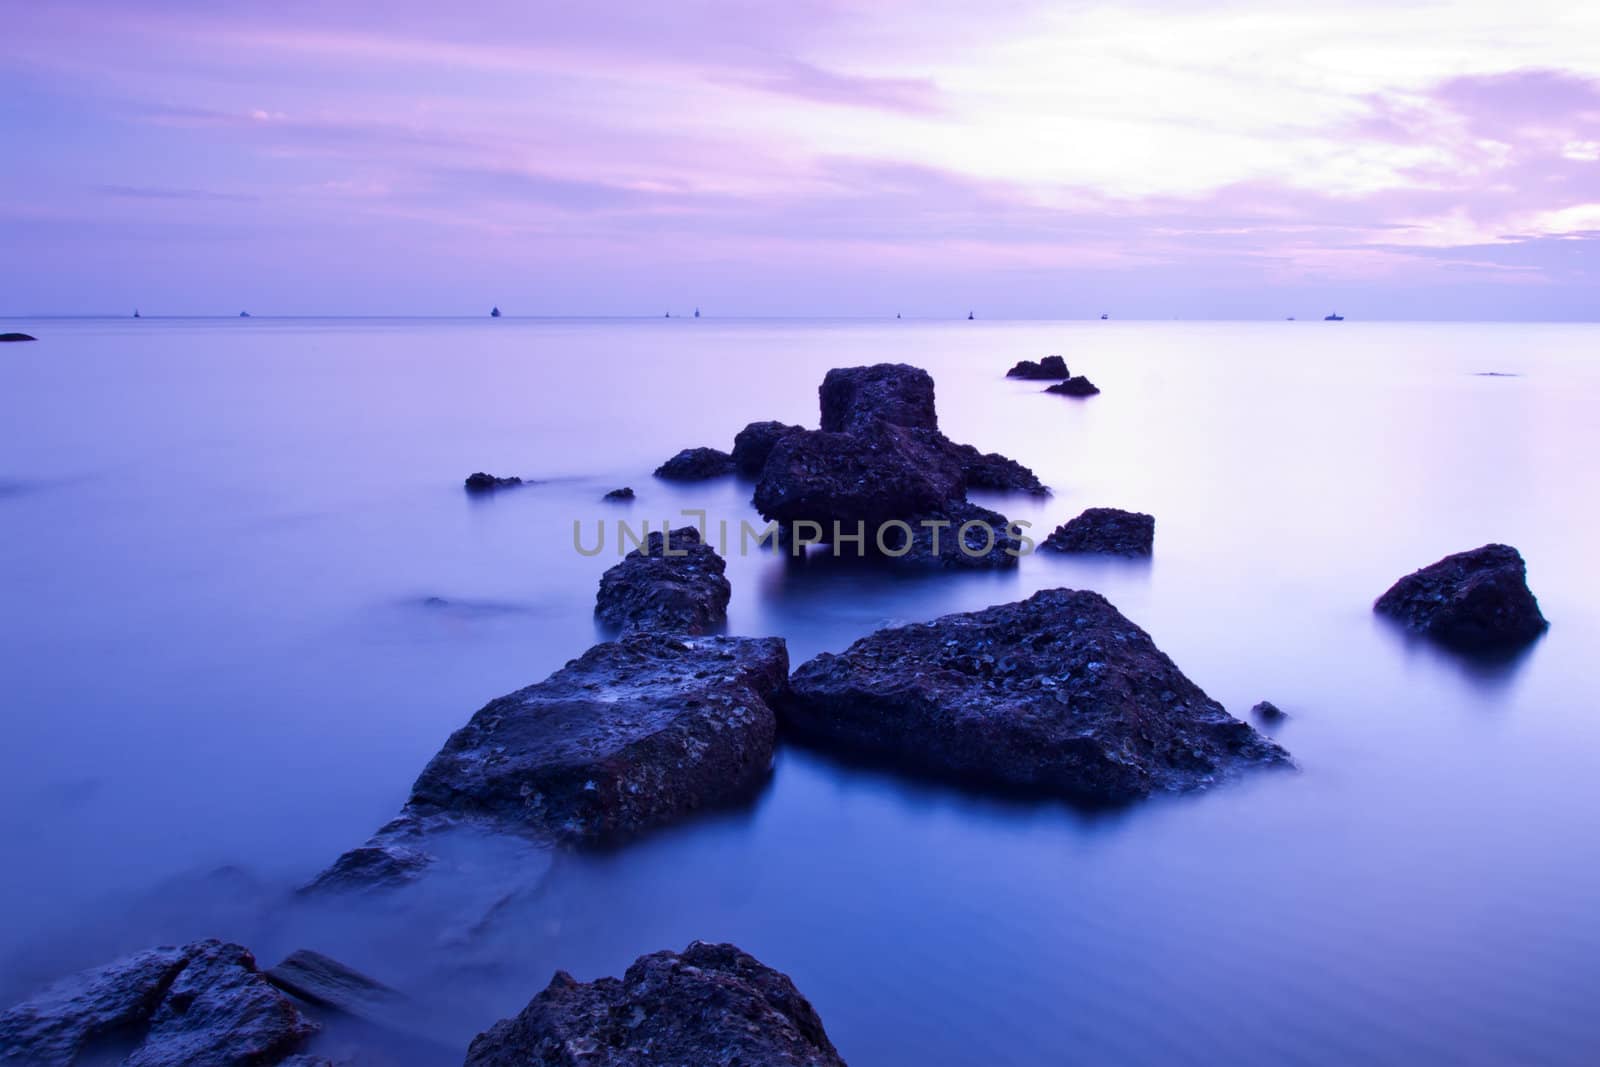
708 1006
1050 368
1076 386
479 482
754 443
991 470
380 864
990 543
853 398
696 465
4 337
875 474
1058 694
633 734
327 983
673 584
1267 711
203 1005
1105 530
625 493
1473 601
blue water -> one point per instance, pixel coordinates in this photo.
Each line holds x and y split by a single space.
219 537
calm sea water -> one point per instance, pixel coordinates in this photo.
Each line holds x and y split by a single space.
220 537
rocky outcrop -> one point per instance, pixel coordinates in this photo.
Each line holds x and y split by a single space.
673 584
4 337
202 1005
618 495
1075 386
1058 695
898 394
631 735
1473 601
1048 369
753 444
1105 530
991 470
709 1005
479 482
964 536
696 465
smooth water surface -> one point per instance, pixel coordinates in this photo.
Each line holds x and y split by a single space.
220 541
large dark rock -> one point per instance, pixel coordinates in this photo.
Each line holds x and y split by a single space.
991 470
631 735
1050 368
479 482
1076 386
4 337
673 584
853 398
754 444
696 465
878 473
1475 601
964 536
202 1005
1105 530
1058 694
708 1006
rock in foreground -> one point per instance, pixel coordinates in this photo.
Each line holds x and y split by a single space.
696 465
708 1006
203 1005
899 394
1105 530
1076 386
1048 369
673 584
1058 694
754 444
479 482
1474 601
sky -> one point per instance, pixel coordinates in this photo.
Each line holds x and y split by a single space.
871 157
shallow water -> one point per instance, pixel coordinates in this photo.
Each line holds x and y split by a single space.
220 538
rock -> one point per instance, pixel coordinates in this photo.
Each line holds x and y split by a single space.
1267 711
673 585
754 443
631 735
4 337
696 465
710 1006
991 470
879 473
1077 386
1057 695
1106 530
382 863
203 1005
1050 368
1473 601
625 493
327 983
986 544
894 393
479 482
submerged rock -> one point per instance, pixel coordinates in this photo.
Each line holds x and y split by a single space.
4 337
202 1005
1050 368
1267 711
381 863
696 465
479 482
327 983
709 1006
1058 694
625 493
754 444
895 393
1105 530
1473 601
673 584
1076 386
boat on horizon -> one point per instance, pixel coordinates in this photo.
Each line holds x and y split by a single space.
244 314
970 316
697 313
1333 317
1104 316
494 312
136 314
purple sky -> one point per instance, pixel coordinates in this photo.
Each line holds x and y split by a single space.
1021 159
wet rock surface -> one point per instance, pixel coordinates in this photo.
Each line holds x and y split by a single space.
696 465
707 1006
1472 601
1267 711
625 493
1059 695
327 983
1075 386
991 470
203 1005
899 394
1050 368
673 584
755 442
1109 531
382 863
479 482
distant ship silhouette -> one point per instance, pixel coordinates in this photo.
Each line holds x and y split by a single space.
697 313
244 314
494 313
1335 317
1104 316
970 316
136 314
